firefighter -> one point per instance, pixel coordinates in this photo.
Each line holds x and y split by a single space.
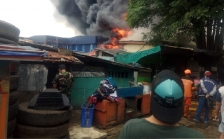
188 88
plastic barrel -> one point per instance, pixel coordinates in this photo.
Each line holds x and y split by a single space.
87 116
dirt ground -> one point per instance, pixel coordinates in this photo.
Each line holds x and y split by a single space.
209 130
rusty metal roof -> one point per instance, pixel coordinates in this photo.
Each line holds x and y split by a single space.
53 54
57 57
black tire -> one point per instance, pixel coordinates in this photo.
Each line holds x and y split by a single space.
66 136
13 97
6 41
14 82
11 128
13 111
42 117
24 131
9 31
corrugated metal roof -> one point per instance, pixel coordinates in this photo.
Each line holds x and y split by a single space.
8 52
56 57
10 47
96 59
111 51
27 53
39 46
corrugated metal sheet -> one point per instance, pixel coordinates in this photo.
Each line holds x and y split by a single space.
96 59
8 52
20 48
56 57
49 56
39 46
33 77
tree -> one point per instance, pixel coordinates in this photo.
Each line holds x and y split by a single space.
201 20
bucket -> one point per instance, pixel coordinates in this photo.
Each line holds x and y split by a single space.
87 116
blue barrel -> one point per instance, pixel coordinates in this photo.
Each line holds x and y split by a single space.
87 116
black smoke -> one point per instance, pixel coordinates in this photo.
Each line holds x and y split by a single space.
94 17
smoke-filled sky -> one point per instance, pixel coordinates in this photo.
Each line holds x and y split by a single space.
93 17
66 18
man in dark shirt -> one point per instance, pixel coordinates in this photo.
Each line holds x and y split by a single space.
167 98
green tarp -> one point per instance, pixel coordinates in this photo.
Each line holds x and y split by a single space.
134 57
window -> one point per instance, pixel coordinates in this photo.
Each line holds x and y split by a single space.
70 47
83 48
91 47
117 74
77 48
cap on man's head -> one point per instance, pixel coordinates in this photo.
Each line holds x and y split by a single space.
61 66
167 97
208 73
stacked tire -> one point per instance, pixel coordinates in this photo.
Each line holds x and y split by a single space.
32 123
9 34
12 105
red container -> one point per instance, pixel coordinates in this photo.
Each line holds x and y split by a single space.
108 113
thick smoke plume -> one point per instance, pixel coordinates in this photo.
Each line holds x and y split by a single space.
94 17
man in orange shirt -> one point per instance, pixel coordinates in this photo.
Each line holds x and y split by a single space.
188 87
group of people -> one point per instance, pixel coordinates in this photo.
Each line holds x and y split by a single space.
208 92
170 100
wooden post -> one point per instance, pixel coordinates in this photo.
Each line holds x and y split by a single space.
4 97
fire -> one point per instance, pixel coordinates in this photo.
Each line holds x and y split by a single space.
92 53
121 33
116 35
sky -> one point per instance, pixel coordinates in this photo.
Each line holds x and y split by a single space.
34 17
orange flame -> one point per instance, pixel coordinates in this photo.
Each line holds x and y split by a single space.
92 53
117 34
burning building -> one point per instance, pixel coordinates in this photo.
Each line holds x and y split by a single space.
103 18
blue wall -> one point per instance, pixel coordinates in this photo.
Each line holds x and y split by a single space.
79 47
79 43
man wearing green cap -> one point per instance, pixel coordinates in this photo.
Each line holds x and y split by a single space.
63 81
167 98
